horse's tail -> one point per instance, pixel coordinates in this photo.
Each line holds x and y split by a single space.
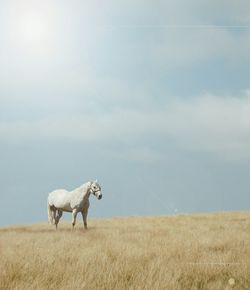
50 217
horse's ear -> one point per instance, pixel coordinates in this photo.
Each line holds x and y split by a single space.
96 180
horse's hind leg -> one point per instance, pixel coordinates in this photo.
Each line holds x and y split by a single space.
53 215
74 214
59 215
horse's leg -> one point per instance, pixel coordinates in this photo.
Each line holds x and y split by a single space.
74 214
54 216
59 214
84 217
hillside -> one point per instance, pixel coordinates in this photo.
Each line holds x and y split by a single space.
202 251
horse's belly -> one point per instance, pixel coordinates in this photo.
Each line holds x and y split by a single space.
67 209
60 200
65 206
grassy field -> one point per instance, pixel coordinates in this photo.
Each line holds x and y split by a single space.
203 251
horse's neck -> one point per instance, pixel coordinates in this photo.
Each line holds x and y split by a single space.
86 194
85 191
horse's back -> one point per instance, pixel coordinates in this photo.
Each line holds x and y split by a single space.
60 199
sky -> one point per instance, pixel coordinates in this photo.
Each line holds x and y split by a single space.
152 98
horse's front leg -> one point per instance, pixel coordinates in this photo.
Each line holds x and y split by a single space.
74 214
84 217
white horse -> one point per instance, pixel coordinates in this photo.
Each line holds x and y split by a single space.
74 201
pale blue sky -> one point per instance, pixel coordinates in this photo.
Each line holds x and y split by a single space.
152 99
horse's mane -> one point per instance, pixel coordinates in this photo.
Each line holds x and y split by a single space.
84 186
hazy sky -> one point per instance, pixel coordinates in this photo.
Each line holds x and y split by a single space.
152 98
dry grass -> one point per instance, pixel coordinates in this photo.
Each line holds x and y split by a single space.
174 252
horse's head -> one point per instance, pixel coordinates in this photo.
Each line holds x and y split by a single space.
95 188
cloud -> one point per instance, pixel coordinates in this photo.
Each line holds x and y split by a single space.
105 80
212 124
177 12
208 123
82 36
191 46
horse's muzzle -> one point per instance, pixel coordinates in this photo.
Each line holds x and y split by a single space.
100 197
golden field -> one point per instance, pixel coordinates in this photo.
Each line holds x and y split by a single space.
201 251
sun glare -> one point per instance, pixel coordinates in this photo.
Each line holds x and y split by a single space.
32 31
33 27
